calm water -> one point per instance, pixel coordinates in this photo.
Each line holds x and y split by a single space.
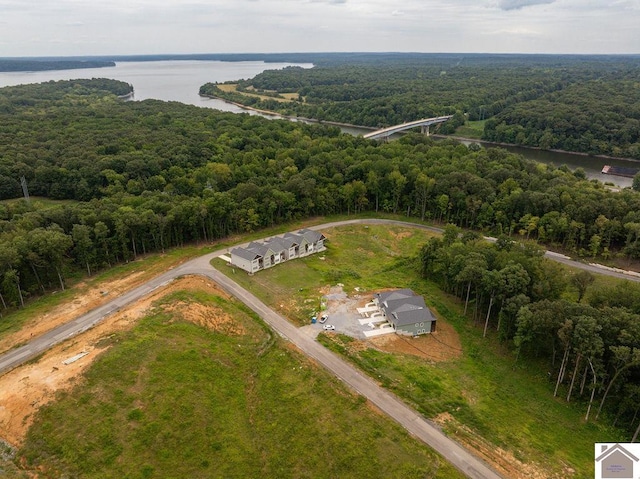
592 166
181 81
162 80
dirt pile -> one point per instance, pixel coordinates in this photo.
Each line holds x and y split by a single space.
27 388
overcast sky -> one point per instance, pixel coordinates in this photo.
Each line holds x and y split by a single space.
120 27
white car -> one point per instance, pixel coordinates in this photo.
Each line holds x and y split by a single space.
329 327
323 318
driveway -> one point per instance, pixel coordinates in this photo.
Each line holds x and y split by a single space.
341 309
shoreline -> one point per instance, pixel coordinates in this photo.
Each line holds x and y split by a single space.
457 138
287 117
537 148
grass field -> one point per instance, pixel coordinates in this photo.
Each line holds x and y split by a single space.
78 285
175 400
489 400
39 202
284 98
364 257
509 404
471 129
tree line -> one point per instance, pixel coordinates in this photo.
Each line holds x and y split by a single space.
43 64
137 177
583 104
144 176
592 348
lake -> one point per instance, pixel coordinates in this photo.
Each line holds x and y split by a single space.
175 80
180 80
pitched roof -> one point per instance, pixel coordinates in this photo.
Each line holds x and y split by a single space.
288 242
398 293
276 244
402 318
294 237
403 304
260 249
311 236
404 307
245 253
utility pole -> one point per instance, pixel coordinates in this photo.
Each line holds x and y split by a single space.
25 190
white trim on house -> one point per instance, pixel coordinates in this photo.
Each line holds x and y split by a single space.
257 256
406 312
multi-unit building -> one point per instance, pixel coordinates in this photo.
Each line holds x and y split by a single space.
406 312
257 256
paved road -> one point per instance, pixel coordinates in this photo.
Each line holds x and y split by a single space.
470 465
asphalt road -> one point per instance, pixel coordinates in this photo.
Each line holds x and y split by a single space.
469 464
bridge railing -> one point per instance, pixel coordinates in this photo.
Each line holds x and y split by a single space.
406 126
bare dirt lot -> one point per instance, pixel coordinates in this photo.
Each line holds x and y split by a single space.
83 302
442 345
25 389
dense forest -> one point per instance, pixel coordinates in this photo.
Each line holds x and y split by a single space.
136 177
593 348
585 104
35 65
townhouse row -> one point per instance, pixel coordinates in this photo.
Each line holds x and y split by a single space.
257 256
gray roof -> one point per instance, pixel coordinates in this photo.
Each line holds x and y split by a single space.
294 237
403 307
288 242
396 294
403 304
276 244
262 249
311 236
402 318
245 253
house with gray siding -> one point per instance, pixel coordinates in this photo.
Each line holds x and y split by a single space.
406 312
246 259
259 255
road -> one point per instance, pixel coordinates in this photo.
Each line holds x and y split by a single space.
469 464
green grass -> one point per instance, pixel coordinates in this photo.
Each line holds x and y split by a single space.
39 202
148 266
510 405
471 129
295 288
173 400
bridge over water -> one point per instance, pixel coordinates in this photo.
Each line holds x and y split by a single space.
424 123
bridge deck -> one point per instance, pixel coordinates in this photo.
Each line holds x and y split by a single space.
406 126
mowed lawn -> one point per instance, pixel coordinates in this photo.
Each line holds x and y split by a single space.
485 398
172 399
364 257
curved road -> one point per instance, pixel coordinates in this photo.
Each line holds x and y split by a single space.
469 464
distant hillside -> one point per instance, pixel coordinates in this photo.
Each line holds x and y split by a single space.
33 65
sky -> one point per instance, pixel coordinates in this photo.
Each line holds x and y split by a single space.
129 27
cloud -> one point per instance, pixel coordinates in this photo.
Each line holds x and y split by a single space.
332 2
397 13
519 4
519 31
